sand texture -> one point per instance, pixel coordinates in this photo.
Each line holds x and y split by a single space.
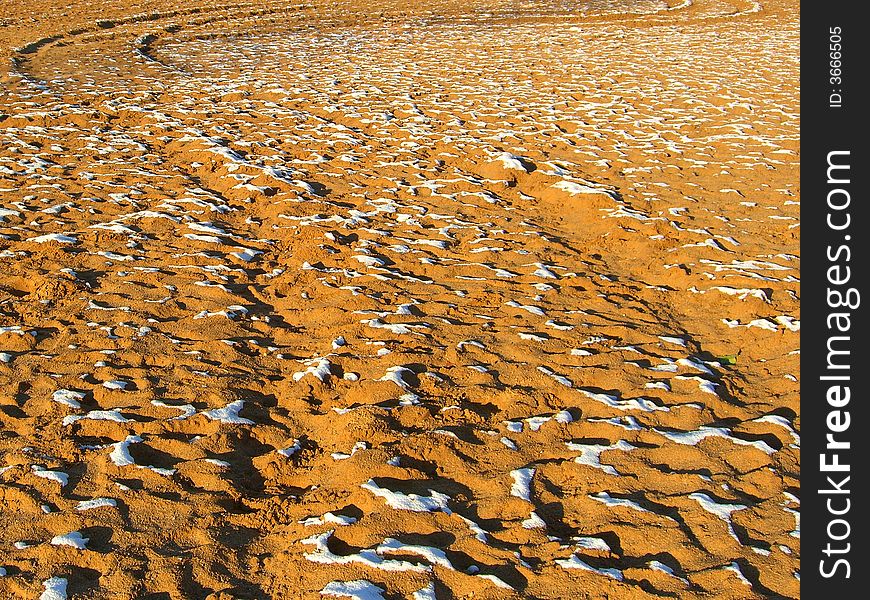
379 300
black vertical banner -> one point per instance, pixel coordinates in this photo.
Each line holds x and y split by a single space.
834 171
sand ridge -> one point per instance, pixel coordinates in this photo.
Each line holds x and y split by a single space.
450 300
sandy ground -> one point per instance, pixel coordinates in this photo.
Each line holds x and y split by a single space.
478 299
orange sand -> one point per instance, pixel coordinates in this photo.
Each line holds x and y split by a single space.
478 299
